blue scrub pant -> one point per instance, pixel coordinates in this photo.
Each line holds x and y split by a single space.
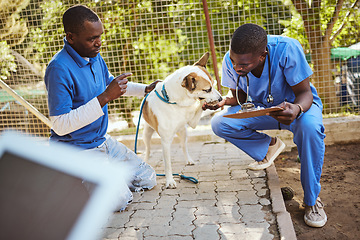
308 133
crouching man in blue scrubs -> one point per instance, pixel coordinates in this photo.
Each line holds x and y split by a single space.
272 71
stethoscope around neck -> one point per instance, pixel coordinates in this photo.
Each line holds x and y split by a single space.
248 104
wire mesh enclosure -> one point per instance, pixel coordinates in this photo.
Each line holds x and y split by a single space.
153 38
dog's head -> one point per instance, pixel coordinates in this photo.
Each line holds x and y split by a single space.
200 84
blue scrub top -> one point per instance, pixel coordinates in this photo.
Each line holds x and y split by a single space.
288 68
71 82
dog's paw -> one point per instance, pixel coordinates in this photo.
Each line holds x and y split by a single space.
190 162
171 184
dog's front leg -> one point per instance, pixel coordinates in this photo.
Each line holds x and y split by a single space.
183 141
148 132
166 145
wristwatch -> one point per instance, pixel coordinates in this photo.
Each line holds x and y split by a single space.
301 111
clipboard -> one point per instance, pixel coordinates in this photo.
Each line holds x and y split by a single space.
253 113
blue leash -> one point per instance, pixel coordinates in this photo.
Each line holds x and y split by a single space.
166 99
137 127
191 179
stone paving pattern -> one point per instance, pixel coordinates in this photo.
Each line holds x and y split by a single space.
229 202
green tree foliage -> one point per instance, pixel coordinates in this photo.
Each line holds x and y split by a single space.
47 37
7 63
12 32
146 42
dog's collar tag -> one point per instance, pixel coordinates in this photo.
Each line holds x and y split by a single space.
164 97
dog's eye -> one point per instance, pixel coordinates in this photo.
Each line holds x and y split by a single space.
207 90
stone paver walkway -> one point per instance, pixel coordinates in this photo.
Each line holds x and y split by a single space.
229 202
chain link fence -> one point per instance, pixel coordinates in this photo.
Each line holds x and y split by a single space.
153 38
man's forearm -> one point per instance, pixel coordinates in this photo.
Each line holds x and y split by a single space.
77 118
135 89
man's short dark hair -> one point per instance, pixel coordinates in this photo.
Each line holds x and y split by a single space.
75 16
249 38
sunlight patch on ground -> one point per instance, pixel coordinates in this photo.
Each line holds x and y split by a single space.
117 125
292 170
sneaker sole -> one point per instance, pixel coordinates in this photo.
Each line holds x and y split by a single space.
315 224
266 165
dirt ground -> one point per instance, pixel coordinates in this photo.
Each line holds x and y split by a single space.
340 192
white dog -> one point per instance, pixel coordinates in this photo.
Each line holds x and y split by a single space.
175 103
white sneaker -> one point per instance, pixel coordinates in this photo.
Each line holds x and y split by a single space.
271 155
315 216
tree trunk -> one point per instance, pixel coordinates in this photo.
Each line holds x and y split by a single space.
320 54
323 79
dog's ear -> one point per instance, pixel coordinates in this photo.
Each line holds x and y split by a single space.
203 60
189 82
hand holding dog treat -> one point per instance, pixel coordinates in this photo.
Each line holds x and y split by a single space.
214 105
